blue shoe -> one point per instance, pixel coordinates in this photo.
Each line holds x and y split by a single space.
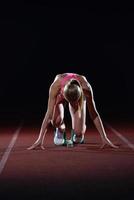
59 138
76 139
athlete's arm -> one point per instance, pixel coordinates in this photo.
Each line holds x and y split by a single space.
87 89
50 108
53 91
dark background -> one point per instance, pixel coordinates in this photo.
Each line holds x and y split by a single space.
39 40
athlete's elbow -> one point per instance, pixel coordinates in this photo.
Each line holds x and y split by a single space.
94 115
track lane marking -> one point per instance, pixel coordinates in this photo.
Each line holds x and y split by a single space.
8 149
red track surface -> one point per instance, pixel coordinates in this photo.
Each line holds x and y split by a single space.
62 173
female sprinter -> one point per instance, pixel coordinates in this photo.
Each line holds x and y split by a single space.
75 90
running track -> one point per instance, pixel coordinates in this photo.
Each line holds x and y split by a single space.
82 172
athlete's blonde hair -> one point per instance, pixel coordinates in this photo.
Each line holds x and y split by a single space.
73 92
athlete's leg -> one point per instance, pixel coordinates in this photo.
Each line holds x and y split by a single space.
58 122
79 121
58 117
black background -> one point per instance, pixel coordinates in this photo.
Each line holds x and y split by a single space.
39 40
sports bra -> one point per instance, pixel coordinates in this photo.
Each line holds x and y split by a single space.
66 78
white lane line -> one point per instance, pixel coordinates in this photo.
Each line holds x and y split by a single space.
8 149
121 136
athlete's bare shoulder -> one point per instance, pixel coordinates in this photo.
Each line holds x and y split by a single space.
55 85
57 77
84 82
82 77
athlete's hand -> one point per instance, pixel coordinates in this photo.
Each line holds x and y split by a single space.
36 145
106 142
